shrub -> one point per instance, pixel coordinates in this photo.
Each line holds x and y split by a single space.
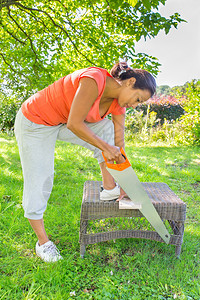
166 111
159 135
134 120
165 99
146 128
8 110
175 120
166 107
190 121
140 126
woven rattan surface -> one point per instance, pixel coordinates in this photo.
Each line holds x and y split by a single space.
168 205
103 220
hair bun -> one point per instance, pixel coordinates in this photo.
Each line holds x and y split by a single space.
144 79
118 69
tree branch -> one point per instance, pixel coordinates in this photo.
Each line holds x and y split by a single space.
10 33
56 25
15 71
7 3
31 43
118 16
37 19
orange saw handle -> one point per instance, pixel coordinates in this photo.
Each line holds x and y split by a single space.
118 167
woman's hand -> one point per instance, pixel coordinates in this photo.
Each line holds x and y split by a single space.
113 153
122 195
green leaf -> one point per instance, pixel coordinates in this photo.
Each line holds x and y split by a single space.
43 41
147 4
132 2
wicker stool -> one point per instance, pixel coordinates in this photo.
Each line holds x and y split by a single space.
103 220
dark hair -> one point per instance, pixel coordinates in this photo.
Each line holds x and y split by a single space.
144 79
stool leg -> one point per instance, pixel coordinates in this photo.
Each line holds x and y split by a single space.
83 230
180 232
178 229
178 251
174 227
82 250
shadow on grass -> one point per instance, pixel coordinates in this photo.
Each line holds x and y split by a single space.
121 269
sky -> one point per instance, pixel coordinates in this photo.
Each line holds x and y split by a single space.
179 50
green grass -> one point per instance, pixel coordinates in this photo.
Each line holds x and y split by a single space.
121 269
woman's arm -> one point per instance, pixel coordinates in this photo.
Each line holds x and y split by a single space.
119 125
85 96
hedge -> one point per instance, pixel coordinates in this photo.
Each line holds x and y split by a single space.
165 111
8 110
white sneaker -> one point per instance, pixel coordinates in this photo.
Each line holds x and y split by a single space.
107 195
48 252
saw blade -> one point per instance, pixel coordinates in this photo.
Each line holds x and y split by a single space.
129 182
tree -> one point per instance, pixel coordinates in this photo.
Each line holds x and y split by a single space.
179 91
163 90
190 121
40 41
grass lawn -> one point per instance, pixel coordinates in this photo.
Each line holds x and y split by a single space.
121 269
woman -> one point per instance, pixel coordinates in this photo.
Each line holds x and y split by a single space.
73 109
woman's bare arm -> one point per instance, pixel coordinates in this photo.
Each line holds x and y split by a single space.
85 97
119 125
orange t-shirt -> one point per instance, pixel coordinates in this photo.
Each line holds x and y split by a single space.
51 106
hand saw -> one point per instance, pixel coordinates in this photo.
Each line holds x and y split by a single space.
127 179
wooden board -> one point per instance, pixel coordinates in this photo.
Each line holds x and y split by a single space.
126 203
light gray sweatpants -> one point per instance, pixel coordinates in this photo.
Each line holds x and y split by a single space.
36 144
